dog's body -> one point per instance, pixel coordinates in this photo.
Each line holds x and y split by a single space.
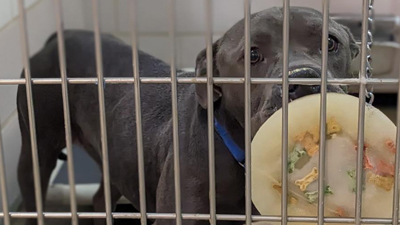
157 112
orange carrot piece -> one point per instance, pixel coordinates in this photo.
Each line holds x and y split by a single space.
391 146
385 168
340 212
367 161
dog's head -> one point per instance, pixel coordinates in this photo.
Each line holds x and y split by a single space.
305 59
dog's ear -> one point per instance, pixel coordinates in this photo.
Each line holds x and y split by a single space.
201 71
354 48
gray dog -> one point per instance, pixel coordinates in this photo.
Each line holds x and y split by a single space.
228 51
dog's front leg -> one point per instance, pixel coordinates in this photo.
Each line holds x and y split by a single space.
194 192
191 200
99 201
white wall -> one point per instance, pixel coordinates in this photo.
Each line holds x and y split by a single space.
114 14
153 16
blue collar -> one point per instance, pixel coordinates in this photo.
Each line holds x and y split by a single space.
235 150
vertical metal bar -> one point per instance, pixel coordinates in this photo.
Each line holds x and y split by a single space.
322 143
31 113
395 213
67 119
138 113
361 111
210 112
3 184
103 128
247 102
285 114
175 127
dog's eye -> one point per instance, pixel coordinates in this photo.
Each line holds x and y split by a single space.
333 44
255 56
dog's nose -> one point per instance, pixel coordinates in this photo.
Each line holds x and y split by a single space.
298 91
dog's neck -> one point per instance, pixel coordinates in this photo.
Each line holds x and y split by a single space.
236 151
231 132
226 127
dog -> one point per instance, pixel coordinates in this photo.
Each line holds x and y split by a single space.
228 61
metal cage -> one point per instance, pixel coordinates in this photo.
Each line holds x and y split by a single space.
173 80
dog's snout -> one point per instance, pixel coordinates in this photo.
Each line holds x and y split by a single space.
298 91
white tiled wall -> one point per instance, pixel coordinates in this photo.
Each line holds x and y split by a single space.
153 20
9 10
153 16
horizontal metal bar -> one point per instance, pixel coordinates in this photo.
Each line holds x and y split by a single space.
197 80
193 216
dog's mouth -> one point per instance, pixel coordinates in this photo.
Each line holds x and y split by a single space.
274 101
297 91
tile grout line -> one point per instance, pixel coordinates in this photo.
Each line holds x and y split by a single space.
15 18
9 118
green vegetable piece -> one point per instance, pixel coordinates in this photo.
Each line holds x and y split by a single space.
328 190
312 196
294 157
352 175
